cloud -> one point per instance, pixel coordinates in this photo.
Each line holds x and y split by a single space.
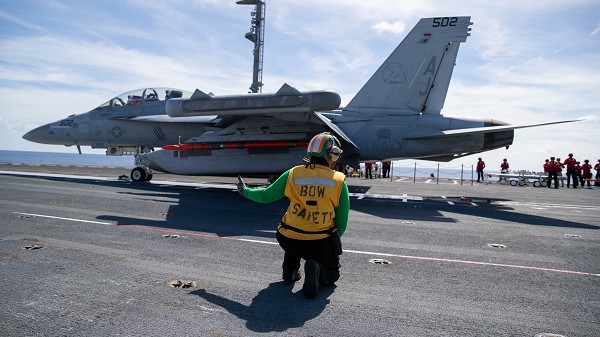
384 27
595 31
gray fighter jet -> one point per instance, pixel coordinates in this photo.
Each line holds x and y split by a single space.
396 115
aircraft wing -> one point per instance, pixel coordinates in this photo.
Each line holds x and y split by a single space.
334 128
480 130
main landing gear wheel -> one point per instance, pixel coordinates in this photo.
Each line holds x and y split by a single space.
138 174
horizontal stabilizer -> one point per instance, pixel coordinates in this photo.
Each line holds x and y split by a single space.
484 129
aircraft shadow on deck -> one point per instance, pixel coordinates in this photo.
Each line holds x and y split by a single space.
225 213
222 212
435 210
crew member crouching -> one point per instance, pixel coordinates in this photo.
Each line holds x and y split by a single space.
316 217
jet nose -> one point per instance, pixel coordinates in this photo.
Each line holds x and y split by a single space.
38 135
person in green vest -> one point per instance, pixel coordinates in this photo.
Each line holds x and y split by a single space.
316 217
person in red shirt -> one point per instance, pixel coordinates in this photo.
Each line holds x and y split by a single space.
385 168
586 173
552 173
504 166
503 169
480 167
368 170
570 164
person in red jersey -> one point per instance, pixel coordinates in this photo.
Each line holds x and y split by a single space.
547 166
503 169
586 173
570 164
368 170
480 167
552 173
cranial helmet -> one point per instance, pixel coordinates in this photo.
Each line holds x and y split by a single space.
324 145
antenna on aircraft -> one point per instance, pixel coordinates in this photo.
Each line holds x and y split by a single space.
257 36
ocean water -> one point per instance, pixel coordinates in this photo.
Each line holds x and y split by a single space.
74 159
57 158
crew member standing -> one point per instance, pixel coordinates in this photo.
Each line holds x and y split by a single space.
547 166
552 173
316 217
368 170
480 167
570 164
503 169
385 167
586 173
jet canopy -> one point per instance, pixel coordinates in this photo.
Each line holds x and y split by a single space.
140 96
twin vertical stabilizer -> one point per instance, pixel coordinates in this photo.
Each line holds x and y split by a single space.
415 77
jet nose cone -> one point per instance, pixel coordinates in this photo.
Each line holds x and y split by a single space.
38 135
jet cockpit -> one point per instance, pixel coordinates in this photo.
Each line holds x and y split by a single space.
139 96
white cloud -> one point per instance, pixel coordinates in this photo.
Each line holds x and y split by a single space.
383 27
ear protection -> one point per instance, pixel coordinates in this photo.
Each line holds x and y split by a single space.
334 152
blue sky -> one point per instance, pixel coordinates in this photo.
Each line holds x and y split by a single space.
525 61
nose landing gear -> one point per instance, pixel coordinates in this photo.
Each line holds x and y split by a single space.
140 174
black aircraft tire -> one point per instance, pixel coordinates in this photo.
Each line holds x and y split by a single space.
138 174
536 184
513 183
148 177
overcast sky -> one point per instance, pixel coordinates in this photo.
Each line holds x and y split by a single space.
525 62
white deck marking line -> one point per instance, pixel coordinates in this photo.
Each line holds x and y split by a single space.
474 262
412 257
62 218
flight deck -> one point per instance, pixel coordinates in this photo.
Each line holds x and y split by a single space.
83 250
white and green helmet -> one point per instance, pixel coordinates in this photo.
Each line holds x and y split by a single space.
324 145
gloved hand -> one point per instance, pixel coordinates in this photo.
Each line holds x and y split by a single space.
241 185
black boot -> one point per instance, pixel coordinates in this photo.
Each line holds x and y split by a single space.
292 275
311 279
